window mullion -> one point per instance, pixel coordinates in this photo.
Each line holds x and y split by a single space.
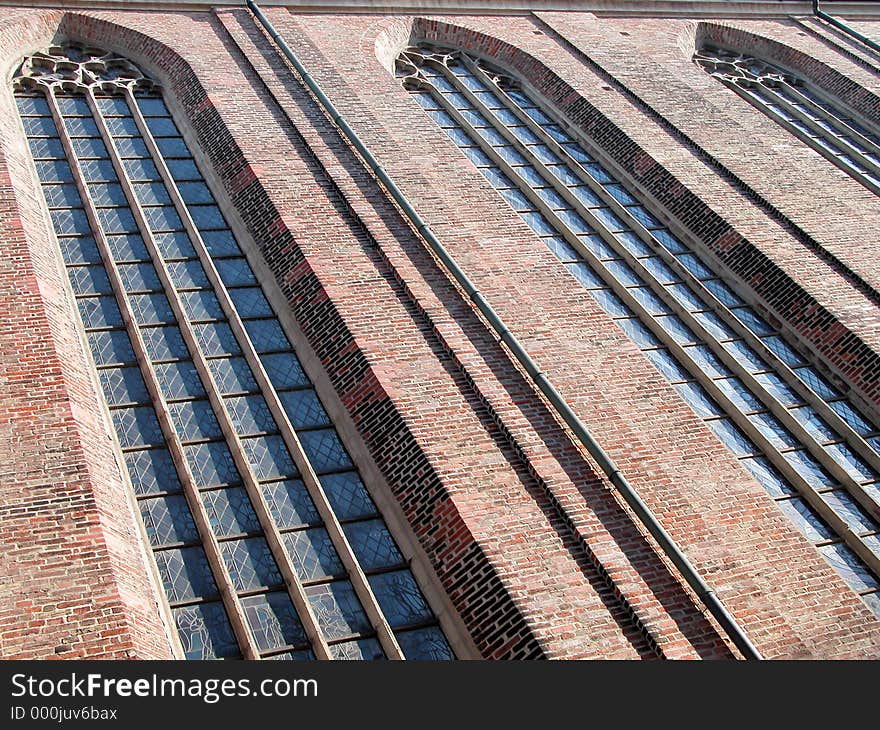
228 596
835 119
287 432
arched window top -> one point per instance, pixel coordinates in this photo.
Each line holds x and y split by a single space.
798 435
73 67
814 115
741 68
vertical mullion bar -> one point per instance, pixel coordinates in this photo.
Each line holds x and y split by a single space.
735 414
270 530
209 542
288 434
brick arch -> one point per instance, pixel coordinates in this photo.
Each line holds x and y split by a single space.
797 62
787 301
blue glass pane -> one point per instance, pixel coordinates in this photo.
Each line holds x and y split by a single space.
186 574
400 598
151 309
273 621
856 467
188 275
62 196
220 243
848 564
739 395
809 469
207 217
250 415
116 220
266 335
269 457
347 495
132 147
162 127
303 408
250 302
89 280
195 192
372 545
216 339
183 169
79 250
108 194
152 193
137 426
168 520
290 504
129 247
109 348
767 476
230 512
152 471
164 343
70 222
361 650
313 555
123 385
850 511
140 169
284 370
174 245
201 305
233 375
112 106
179 380
205 632
235 272
250 563
337 610
324 450
211 464
139 277
54 171
195 420
805 519
424 644
172 147
163 218
732 437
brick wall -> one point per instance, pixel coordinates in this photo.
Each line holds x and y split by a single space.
536 554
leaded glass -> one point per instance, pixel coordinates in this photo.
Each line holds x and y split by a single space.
205 631
274 621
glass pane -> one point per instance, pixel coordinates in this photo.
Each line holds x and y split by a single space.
313 554
205 631
230 512
424 644
168 520
324 450
152 471
400 598
186 574
372 545
273 621
290 504
250 563
337 610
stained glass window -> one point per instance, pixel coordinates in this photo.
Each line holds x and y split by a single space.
222 433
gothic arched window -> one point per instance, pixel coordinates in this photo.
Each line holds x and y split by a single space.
810 447
807 111
266 540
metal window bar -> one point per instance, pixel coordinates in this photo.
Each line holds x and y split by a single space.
495 127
